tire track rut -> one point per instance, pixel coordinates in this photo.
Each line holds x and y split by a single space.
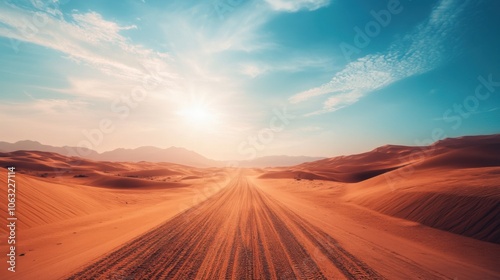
238 233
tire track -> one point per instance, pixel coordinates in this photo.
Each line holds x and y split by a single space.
347 263
238 233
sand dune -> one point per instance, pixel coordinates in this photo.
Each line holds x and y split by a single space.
44 202
350 169
393 213
131 183
65 219
296 174
464 201
451 185
48 195
455 189
472 151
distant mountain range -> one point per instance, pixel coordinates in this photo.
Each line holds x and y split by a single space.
28 145
153 154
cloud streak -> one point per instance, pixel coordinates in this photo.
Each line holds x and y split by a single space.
297 5
414 54
88 38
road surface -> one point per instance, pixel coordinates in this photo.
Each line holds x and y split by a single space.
239 233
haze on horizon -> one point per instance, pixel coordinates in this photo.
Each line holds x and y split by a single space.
232 79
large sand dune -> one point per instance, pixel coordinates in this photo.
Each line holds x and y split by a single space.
451 185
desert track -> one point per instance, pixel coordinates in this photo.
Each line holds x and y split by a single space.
239 233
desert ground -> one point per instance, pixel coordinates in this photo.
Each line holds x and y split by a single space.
392 213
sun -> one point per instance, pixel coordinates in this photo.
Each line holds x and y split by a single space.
197 115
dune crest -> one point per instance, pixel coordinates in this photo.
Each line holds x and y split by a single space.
450 185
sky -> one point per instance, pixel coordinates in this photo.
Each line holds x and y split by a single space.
239 79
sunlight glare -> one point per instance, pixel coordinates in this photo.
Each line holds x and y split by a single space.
197 115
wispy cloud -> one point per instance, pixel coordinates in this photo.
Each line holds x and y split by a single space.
414 54
87 38
98 29
296 5
53 109
292 64
311 128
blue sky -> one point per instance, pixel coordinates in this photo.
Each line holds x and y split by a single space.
235 79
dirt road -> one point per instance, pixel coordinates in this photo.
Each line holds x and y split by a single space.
239 233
